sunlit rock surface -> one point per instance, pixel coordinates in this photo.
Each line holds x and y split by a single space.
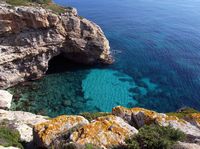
104 132
183 145
139 117
5 99
46 132
194 119
10 147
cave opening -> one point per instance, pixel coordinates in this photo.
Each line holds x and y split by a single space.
60 63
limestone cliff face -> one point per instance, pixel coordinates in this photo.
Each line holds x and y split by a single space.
31 36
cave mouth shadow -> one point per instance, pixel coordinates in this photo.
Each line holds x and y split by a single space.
60 64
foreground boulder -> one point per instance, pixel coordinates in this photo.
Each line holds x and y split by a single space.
5 99
22 122
139 117
104 132
31 36
45 133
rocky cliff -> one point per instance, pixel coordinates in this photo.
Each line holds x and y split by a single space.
31 36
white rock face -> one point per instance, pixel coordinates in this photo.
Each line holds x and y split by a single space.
5 99
22 122
184 126
11 147
183 145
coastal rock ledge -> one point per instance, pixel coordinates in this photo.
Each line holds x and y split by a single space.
103 130
31 36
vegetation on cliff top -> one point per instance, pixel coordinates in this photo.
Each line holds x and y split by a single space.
27 2
47 4
9 136
183 113
155 137
91 116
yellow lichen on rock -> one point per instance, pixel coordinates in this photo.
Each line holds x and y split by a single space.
139 117
104 132
194 118
45 132
148 116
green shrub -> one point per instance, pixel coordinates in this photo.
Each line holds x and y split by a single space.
90 146
155 137
41 1
55 8
26 2
47 4
132 144
18 2
91 116
183 112
9 137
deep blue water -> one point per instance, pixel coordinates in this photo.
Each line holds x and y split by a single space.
156 45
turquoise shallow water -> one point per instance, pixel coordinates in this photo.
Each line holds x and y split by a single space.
157 51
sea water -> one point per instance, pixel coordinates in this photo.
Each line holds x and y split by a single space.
156 45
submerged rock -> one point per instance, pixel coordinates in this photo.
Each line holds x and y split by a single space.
31 36
45 133
104 132
5 99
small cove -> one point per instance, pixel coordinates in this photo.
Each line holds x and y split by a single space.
157 51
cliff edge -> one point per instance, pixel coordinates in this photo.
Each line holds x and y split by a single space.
123 128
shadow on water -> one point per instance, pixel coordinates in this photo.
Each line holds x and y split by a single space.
59 92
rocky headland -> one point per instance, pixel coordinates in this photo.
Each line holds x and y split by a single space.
30 36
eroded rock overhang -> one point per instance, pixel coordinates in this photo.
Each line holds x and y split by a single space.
31 36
